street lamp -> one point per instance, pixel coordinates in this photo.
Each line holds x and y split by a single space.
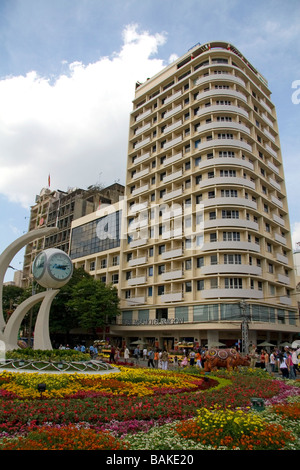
41 388
245 328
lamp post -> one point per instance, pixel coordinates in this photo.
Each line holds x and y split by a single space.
41 388
245 327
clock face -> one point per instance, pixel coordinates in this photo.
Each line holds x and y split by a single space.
60 266
39 265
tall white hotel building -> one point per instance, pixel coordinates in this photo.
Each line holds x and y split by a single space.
205 219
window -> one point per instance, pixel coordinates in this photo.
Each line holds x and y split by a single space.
214 259
188 286
161 269
225 153
92 266
200 284
188 264
214 283
200 262
115 278
115 261
229 193
271 269
228 173
231 236
160 290
233 283
232 259
213 237
161 249
230 214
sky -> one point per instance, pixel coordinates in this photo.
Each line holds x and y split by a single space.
68 70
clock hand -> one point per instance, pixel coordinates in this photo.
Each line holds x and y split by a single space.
60 266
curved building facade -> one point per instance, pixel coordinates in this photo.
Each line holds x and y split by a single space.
207 236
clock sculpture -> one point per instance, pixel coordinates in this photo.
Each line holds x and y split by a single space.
52 269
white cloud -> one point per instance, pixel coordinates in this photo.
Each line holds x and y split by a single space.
76 127
295 229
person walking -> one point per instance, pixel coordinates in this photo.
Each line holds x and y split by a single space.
156 358
198 360
272 362
262 359
292 373
253 357
164 360
151 358
137 354
192 356
126 354
283 366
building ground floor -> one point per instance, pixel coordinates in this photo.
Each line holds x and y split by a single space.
180 337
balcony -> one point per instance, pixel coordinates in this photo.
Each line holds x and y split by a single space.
231 268
173 297
173 159
285 300
225 161
142 129
232 293
278 219
227 180
230 245
142 158
135 301
233 201
172 253
176 274
231 223
141 173
223 107
277 201
282 258
224 142
137 261
280 239
172 111
140 190
172 142
172 176
275 184
143 115
283 279
136 281
142 143
173 194
222 93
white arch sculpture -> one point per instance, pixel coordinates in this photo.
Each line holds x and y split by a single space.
9 331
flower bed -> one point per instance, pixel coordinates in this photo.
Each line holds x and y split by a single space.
137 407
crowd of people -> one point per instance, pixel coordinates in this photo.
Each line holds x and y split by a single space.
286 361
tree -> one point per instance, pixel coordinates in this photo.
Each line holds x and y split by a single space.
62 316
11 297
96 303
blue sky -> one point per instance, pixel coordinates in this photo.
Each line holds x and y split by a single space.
67 75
